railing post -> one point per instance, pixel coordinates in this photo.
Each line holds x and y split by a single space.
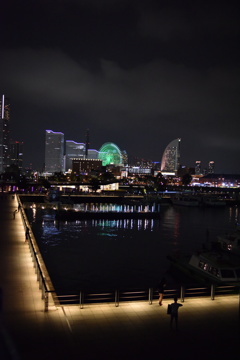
182 293
46 301
81 300
212 292
40 280
150 296
116 298
38 275
34 264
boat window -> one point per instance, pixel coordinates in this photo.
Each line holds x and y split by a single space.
227 273
203 265
226 246
214 271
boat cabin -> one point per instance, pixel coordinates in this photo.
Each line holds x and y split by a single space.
216 266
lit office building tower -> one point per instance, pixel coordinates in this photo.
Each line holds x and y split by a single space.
93 154
54 151
16 153
211 166
171 157
74 150
4 133
198 169
124 157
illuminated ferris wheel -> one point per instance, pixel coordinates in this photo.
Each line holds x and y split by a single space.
110 154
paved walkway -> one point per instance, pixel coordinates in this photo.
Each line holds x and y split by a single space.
135 330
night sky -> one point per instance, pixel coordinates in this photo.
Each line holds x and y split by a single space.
136 73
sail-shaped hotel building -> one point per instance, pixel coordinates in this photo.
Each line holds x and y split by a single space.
171 158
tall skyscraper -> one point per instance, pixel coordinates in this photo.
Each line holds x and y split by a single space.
93 154
74 150
124 157
16 153
54 151
198 168
171 157
4 133
211 166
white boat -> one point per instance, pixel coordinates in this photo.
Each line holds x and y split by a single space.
185 201
209 266
230 242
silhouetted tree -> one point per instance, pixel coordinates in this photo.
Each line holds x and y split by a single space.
94 182
186 179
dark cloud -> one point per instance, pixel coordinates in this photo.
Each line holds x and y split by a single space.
190 21
138 74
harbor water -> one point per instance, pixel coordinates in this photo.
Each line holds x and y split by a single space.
130 253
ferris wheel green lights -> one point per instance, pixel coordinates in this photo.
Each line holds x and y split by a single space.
110 154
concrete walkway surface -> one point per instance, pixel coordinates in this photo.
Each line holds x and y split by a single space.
208 329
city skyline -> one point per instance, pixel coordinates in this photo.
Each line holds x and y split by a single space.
109 153
59 152
138 74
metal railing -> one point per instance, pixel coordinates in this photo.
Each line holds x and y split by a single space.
42 276
117 296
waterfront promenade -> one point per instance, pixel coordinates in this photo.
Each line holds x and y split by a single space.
135 330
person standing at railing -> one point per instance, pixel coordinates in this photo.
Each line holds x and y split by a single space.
27 233
161 288
174 312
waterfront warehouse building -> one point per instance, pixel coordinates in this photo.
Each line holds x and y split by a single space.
54 152
171 157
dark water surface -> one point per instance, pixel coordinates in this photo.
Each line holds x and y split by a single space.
126 253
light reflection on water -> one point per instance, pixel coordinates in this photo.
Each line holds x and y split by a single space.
113 207
126 252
